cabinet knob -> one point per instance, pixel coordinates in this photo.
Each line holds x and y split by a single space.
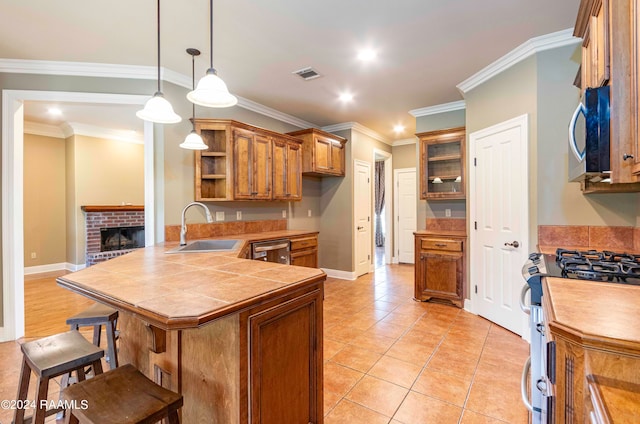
627 156
441 245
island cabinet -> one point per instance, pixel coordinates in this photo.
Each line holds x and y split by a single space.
593 365
243 162
440 266
610 53
261 365
241 340
304 251
323 153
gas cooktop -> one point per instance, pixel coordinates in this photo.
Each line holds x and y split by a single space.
593 265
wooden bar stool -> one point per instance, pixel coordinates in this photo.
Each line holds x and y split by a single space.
98 315
48 358
123 395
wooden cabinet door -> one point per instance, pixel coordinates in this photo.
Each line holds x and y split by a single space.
252 165
306 258
285 362
242 169
287 170
337 158
322 158
261 164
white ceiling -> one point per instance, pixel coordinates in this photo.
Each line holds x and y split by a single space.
425 48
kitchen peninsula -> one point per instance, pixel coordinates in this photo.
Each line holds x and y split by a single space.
240 339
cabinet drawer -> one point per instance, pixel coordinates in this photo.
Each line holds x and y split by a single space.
303 243
442 244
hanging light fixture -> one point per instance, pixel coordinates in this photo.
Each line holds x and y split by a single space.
211 90
193 141
158 109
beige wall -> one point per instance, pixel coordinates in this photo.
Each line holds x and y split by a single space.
405 156
107 172
541 86
337 236
44 200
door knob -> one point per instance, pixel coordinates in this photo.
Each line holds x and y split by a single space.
360 228
514 244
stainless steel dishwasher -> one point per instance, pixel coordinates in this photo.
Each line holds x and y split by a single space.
271 251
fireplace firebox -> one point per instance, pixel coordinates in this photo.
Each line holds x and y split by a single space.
120 238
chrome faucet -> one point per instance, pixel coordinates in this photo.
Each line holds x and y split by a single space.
183 228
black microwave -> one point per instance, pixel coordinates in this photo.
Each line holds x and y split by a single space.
589 137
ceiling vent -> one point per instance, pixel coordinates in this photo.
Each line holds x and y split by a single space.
307 73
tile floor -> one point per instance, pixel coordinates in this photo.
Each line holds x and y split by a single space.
389 359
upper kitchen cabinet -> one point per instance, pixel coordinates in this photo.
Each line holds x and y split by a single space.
322 152
244 162
610 50
287 166
251 165
442 164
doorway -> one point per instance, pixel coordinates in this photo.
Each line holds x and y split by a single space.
499 211
13 185
405 201
382 208
362 216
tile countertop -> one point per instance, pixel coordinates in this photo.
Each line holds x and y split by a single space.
186 290
600 315
552 249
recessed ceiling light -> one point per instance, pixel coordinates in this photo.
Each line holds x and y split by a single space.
346 97
398 128
367 55
54 111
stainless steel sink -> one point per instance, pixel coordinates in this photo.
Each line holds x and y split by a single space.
199 246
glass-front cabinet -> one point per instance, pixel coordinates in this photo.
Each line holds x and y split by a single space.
442 164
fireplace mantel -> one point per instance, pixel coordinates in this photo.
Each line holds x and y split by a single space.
113 208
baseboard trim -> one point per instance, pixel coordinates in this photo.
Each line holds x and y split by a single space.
339 274
62 266
467 306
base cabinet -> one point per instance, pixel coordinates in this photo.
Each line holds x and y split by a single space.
304 251
439 268
261 365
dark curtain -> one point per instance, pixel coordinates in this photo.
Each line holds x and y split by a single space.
379 202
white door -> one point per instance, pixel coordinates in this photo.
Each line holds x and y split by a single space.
406 210
499 221
362 212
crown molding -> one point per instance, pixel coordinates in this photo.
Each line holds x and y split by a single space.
105 70
434 110
405 141
525 50
357 127
76 128
45 130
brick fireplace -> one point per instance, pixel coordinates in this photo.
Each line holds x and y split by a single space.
112 231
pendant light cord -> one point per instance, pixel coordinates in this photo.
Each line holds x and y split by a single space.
193 87
210 32
159 46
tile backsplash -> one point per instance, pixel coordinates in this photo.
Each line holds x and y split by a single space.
586 236
221 229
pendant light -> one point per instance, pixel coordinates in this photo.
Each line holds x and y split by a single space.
158 109
193 141
211 90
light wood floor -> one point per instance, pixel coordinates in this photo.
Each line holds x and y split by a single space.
47 306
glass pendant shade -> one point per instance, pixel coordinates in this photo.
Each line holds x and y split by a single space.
158 110
212 92
193 141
